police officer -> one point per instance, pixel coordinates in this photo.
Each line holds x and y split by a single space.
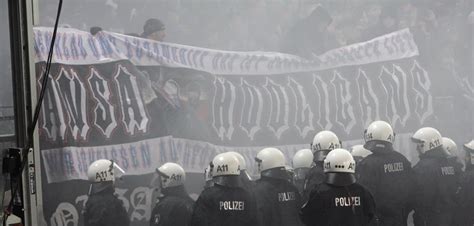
278 201
466 195
436 179
244 176
323 143
387 174
208 176
102 207
340 200
225 203
451 149
175 208
302 161
359 153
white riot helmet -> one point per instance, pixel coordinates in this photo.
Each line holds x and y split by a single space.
469 146
171 175
324 142
339 161
360 151
225 164
450 146
379 131
104 170
270 158
303 159
427 139
243 164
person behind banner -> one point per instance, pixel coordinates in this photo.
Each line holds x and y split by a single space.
226 202
103 208
154 29
175 207
310 36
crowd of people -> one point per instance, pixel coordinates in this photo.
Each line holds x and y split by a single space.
371 185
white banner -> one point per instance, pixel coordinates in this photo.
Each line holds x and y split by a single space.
145 156
75 47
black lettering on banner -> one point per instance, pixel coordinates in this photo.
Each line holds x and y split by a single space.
279 107
388 46
244 62
395 86
222 64
132 106
57 48
182 56
303 113
376 51
421 86
53 119
344 111
215 61
259 60
64 47
223 108
202 58
138 48
195 57
230 64
104 112
73 47
368 101
400 43
190 58
73 95
252 108
174 53
407 36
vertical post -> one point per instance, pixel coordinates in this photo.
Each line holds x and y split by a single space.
24 87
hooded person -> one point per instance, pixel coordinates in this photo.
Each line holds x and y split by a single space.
310 37
278 200
302 162
436 180
174 207
154 29
339 200
103 208
387 174
323 142
226 202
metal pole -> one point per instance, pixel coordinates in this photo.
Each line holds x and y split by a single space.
24 88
